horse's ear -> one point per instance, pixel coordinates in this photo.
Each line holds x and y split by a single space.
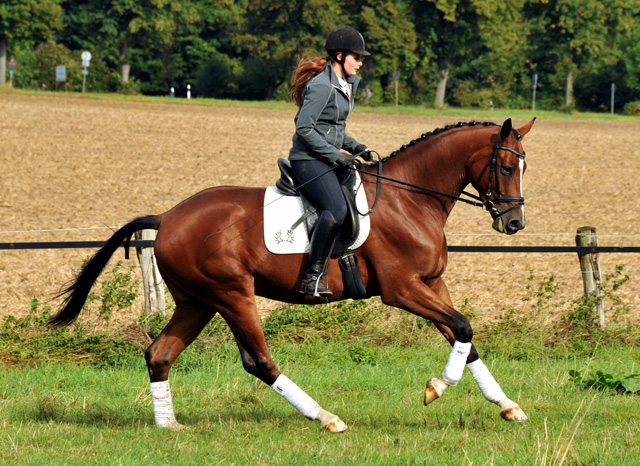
526 128
506 129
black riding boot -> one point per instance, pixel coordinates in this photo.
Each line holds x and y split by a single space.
322 241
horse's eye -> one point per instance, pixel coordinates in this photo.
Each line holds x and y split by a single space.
508 171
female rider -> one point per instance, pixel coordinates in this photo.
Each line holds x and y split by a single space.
324 90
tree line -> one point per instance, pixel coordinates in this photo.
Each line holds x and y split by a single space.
470 53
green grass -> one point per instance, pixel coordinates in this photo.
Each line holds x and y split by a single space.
463 113
79 397
364 362
78 414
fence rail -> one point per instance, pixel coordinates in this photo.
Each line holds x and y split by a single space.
587 248
69 245
451 248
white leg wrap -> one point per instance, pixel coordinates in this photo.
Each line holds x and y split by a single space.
488 385
162 404
455 365
297 397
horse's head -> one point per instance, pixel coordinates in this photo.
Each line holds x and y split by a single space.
498 178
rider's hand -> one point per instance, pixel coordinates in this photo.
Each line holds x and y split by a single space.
346 160
364 152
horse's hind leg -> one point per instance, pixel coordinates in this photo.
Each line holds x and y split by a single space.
188 320
510 411
245 324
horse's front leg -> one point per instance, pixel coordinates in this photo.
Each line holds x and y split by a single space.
433 303
416 297
509 410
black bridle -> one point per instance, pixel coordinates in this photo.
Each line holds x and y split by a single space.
487 205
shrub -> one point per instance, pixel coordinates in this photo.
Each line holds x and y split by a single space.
632 108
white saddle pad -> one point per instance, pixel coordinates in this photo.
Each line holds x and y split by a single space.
282 212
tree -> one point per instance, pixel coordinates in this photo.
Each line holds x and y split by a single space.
29 21
504 36
583 35
391 38
125 29
450 32
273 34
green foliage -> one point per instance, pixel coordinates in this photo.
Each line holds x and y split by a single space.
576 332
118 292
325 321
543 293
607 380
28 340
48 55
362 327
246 49
632 108
29 20
467 308
347 321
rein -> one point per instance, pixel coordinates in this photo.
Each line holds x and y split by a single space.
488 205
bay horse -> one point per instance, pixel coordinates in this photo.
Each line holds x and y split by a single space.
211 253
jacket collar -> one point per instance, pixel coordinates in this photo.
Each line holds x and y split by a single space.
333 77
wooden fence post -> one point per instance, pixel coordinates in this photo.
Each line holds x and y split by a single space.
590 266
152 280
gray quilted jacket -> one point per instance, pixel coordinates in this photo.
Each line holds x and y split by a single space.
321 119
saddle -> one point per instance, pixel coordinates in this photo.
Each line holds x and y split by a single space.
289 185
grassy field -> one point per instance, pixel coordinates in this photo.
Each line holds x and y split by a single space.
65 400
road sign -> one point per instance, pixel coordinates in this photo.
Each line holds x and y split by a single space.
86 58
61 74
13 64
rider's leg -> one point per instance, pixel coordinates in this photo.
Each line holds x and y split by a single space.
321 184
322 240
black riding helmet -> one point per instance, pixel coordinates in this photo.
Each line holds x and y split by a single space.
345 39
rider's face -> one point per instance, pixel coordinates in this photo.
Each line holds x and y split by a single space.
352 63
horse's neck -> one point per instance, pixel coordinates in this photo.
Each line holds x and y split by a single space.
439 164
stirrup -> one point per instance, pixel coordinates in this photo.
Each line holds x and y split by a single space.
312 285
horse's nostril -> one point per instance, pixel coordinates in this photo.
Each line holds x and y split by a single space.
515 225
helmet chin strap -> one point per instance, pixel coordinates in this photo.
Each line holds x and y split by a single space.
341 62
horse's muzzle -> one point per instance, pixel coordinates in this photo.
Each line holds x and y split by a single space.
508 225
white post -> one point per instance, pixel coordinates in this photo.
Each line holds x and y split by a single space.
188 91
154 301
613 93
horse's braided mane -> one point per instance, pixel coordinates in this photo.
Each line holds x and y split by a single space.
438 131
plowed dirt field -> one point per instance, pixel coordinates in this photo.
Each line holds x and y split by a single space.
72 166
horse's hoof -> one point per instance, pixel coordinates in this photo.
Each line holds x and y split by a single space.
435 389
513 414
170 424
334 425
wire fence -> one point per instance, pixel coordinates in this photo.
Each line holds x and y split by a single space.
15 246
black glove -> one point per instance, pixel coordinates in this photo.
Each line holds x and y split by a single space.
364 152
346 160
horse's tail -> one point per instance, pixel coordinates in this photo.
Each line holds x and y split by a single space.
79 289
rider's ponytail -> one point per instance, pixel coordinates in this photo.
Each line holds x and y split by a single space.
306 69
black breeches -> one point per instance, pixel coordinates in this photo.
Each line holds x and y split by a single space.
321 183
